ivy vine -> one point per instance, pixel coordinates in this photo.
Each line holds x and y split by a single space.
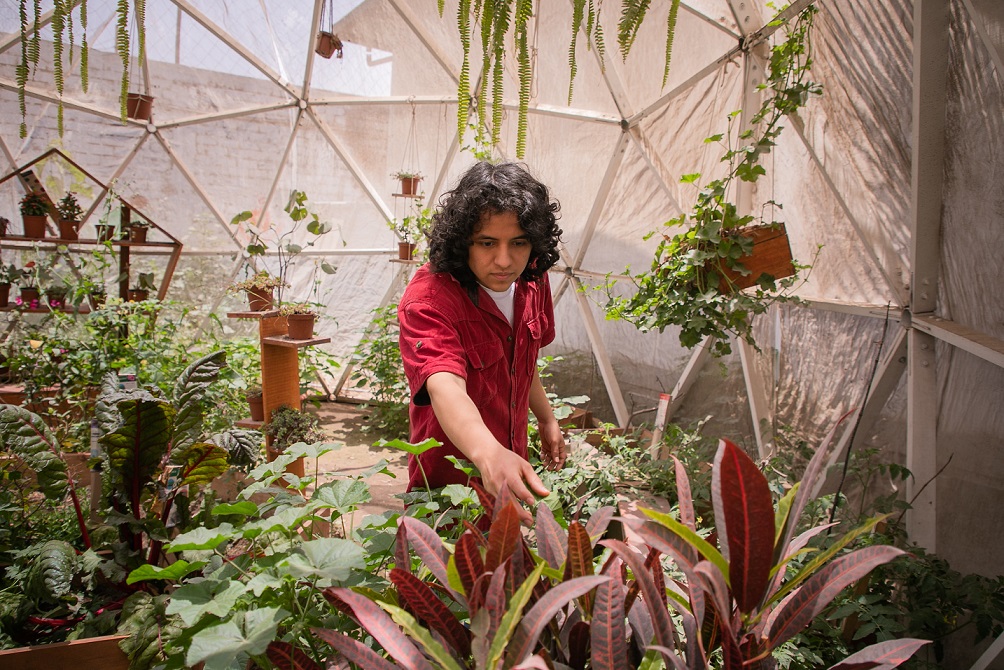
682 286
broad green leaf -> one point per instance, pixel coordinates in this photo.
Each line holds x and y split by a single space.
312 451
189 391
285 521
512 616
193 601
219 645
262 581
202 538
244 508
327 558
201 463
342 495
414 449
174 572
460 495
25 434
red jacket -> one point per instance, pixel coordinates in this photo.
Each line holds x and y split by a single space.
442 330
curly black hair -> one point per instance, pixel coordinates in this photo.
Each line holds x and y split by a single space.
488 188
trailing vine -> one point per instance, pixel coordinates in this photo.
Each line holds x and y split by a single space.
497 18
64 34
682 286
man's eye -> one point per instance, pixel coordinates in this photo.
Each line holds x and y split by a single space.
487 244
520 243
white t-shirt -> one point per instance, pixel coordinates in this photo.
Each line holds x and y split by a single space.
504 300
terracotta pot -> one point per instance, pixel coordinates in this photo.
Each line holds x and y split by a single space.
137 234
105 233
409 185
405 250
139 106
328 45
34 227
257 405
771 255
301 326
4 295
28 294
56 299
68 229
260 299
137 294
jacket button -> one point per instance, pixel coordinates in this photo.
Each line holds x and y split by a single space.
509 339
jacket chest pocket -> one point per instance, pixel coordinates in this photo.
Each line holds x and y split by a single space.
535 328
486 365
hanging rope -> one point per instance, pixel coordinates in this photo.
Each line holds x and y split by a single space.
410 163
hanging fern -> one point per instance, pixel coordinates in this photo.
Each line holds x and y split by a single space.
595 28
464 84
21 71
58 26
140 9
83 45
524 10
578 10
670 31
122 49
632 15
34 44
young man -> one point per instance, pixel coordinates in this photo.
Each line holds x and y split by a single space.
472 322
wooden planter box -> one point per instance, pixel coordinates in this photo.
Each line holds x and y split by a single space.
96 653
771 255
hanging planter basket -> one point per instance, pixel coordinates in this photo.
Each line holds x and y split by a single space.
771 256
405 250
328 45
139 106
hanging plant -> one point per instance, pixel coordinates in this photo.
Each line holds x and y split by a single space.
697 275
62 24
497 18
328 43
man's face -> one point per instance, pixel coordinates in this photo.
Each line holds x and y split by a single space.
499 250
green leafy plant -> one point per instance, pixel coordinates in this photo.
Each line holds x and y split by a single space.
378 369
34 203
413 227
69 209
260 280
286 249
287 426
405 174
144 282
296 308
155 457
689 283
9 273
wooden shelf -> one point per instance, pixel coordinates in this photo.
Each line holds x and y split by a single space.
404 262
250 424
416 196
267 314
45 310
285 341
56 241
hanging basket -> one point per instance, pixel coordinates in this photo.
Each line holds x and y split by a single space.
328 45
405 250
139 106
409 185
771 256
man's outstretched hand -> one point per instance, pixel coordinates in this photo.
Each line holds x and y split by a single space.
501 469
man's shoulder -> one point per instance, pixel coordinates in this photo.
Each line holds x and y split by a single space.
438 289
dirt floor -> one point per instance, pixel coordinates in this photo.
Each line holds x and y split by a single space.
345 423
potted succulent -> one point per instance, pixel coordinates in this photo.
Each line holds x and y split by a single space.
34 209
409 181
287 426
8 275
140 291
256 402
260 290
70 212
137 230
300 318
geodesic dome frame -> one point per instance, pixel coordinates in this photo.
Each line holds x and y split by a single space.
895 171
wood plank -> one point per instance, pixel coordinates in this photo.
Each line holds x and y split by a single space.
99 653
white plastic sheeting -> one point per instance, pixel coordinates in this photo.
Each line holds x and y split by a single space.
245 112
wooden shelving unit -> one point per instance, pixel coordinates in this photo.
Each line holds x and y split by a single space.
280 371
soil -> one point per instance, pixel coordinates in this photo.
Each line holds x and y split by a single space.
346 423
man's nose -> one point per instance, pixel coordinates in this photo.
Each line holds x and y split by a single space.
503 257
